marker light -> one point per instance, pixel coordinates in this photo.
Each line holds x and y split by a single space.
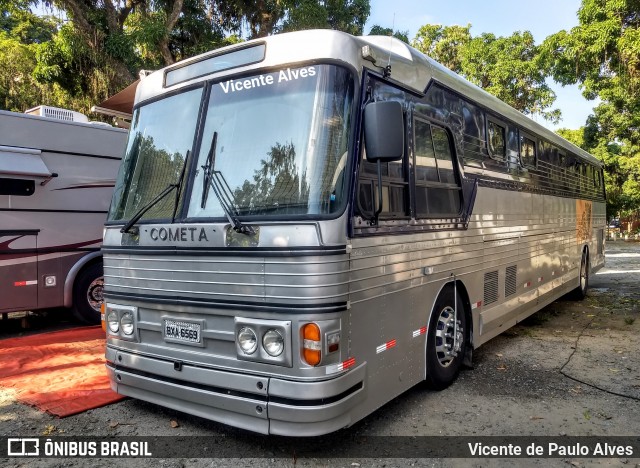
312 347
126 322
273 343
333 342
112 321
247 340
103 321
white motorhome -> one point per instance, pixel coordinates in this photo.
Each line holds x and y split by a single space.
57 172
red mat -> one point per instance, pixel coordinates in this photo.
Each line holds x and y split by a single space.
59 372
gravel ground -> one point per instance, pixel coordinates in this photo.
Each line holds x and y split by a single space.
572 369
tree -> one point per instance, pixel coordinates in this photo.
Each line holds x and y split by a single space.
109 41
380 31
444 44
276 182
23 36
511 68
602 55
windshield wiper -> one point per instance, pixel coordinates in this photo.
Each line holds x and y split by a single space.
215 180
134 219
147 207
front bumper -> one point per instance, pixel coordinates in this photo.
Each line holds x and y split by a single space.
267 405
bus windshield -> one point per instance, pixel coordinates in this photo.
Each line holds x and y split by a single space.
276 144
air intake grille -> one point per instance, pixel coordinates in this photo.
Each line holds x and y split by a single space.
510 281
490 287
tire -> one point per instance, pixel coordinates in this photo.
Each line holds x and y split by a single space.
580 292
442 369
87 294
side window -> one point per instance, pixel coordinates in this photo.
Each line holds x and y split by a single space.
562 163
437 192
528 154
17 187
496 140
394 188
395 185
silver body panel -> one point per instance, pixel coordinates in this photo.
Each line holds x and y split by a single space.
58 228
377 290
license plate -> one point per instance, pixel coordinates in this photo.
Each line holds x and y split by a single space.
182 331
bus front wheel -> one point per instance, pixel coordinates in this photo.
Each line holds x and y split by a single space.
446 344
87 294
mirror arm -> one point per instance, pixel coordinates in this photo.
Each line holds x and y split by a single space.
374 221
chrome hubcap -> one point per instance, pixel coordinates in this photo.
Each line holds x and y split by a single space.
94 293
448 337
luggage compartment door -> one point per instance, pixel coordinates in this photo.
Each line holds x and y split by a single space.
18 270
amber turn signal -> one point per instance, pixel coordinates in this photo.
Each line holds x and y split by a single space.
312 346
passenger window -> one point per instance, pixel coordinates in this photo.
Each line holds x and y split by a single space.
528 152
437 193
497 141
426 167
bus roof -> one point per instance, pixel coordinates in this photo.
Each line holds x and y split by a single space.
409 67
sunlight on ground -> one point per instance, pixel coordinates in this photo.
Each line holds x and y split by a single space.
617 272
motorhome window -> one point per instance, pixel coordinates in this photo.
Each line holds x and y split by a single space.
17 187
281 143
216 63
497 142
161 134
528 152
437 193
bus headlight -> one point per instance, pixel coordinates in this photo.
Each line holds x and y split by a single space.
273 343
126 322
112 321
247 340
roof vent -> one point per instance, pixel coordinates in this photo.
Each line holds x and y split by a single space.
57 113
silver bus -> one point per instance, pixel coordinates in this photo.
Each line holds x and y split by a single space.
305 226
57 172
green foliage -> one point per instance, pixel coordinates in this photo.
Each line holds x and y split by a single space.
277 180
342 15
25 26
444 44
104 45
18 90
380 31
602 54
511 68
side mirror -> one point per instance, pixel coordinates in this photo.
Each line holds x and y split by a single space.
384 131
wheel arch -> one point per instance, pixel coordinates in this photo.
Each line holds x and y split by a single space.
87 260
466 304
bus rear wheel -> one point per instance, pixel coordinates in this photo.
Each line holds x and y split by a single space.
446 344
87 294
580 292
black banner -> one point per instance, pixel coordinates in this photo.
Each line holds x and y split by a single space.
338 446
